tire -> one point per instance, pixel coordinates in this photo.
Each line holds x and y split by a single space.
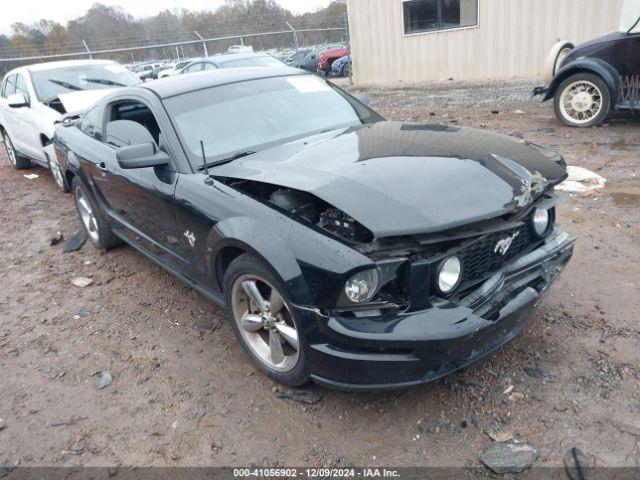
582 91
93 221
57 174
554 60
346 71
16 160
256 338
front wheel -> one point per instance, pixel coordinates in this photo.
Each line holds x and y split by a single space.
57 174
93 221
263 321
582 100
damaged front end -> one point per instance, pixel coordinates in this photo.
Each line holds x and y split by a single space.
432 335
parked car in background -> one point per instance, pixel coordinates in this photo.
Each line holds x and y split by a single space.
341 67
145 70
236 60
34 97
310 61
240 49
175 69
327 58
295 59
589 81
357 252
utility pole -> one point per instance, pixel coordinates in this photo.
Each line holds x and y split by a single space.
204 44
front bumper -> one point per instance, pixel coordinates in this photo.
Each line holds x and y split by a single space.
406 349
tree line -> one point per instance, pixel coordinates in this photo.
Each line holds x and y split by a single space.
106 27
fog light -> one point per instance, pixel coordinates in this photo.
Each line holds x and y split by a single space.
541 221
362 286
449 274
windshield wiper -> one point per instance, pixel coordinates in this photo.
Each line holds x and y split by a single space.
66 85
233 157
105 81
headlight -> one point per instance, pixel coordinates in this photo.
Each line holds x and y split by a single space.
541 220
362 286
449 274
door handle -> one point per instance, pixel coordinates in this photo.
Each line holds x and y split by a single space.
102 166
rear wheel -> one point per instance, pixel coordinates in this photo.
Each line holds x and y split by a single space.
17 161
263 321
582 100
93 221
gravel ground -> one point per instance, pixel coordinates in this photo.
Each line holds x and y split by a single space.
183 397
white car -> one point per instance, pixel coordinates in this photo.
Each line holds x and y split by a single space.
32 98
240 49
176 69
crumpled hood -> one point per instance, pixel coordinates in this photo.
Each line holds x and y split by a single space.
81 100
401 178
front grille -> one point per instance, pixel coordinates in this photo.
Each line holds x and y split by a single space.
480 260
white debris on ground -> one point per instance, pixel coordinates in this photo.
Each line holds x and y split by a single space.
581 180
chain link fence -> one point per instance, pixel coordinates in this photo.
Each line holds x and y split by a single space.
191 46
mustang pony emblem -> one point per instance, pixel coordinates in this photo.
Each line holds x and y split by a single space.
505 244
191 238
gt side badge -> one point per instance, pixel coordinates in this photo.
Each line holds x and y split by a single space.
191 238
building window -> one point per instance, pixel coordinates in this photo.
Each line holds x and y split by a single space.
429 15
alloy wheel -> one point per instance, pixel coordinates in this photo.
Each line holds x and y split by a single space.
581 101
87 216
265 322
54 166
11 153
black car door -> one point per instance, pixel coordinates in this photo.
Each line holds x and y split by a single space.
633 53
138 201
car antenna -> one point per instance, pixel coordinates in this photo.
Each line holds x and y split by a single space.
208 180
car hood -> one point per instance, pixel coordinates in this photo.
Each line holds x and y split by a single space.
81 100
404 178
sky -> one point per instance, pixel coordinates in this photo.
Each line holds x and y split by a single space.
29 11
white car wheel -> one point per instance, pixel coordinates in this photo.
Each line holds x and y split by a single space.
554 60
582 100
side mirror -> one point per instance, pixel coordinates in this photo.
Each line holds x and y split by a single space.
141 156
17 100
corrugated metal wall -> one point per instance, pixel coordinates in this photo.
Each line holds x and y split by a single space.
512 39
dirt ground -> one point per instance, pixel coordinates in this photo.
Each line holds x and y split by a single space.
181 397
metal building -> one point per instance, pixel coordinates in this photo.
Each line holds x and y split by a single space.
415 41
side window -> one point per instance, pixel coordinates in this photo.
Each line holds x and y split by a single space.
91 122
9 86
210 66
429 15
196 67
142 125
21 87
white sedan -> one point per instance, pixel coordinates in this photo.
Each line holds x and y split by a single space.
32 98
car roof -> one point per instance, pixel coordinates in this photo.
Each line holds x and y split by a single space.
217 59
178 84
67 64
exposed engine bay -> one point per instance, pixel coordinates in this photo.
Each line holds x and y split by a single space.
307 207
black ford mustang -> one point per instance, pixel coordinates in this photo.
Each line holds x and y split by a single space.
350 250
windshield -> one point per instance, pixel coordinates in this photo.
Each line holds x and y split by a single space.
50 83
265 61
253 115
